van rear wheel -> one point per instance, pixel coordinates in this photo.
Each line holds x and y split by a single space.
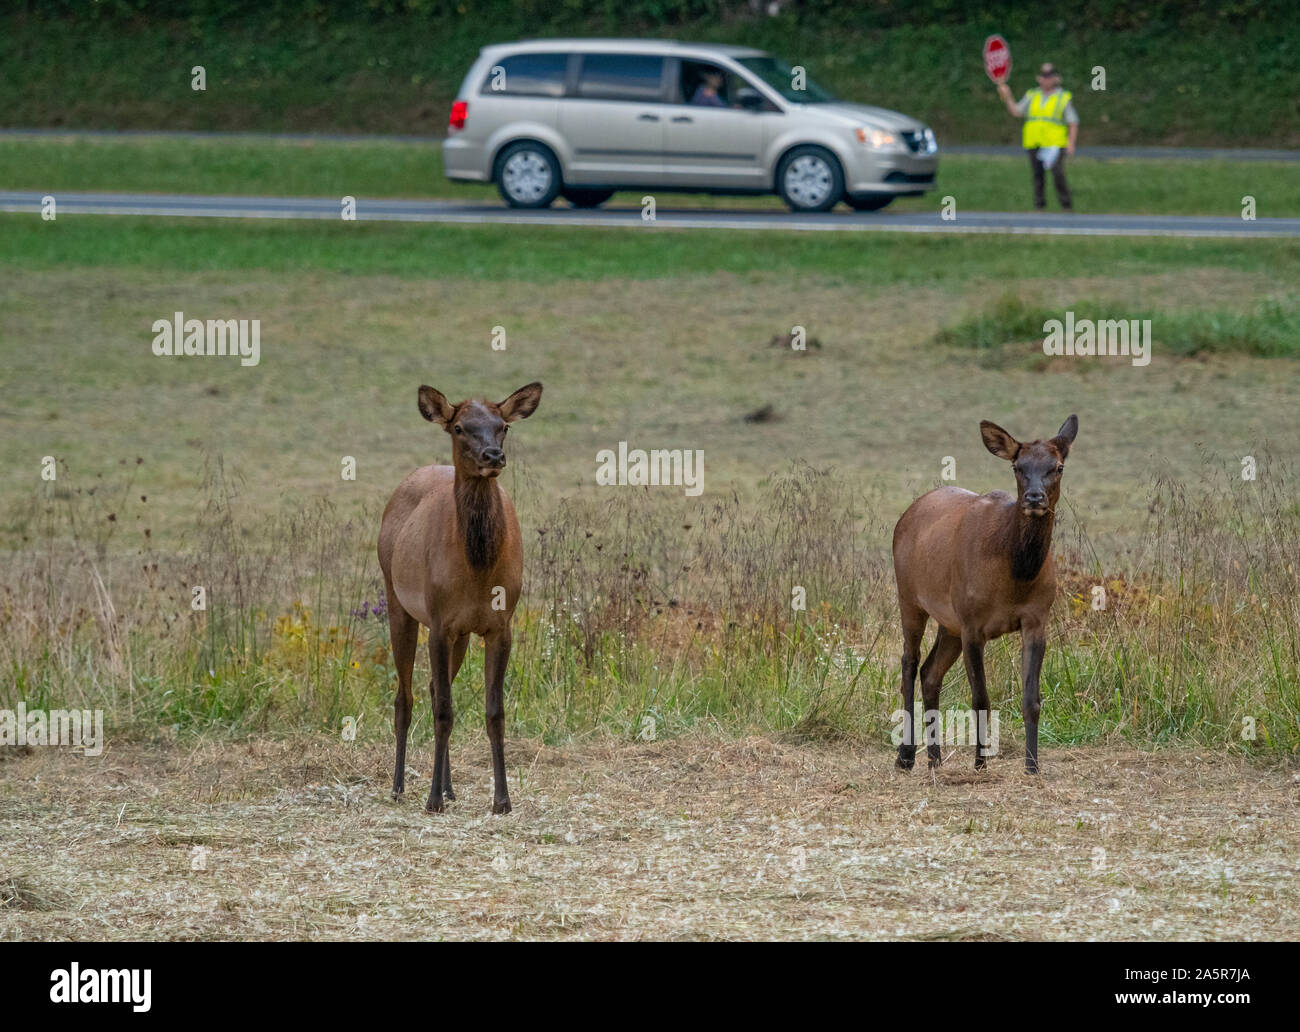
586 198
527 175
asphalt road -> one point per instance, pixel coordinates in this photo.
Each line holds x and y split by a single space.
1103 153
667 217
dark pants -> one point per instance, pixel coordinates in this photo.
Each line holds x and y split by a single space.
1058 177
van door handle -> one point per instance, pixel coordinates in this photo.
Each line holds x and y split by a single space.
647 118
683 118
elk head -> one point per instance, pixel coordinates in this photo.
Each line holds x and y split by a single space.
478 428
1037 465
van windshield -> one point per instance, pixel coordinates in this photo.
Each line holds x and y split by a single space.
781 77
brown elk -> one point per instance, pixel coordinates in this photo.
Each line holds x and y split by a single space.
452 556
981 565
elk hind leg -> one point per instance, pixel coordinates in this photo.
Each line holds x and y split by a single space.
973 654
914 620
403 630
944 652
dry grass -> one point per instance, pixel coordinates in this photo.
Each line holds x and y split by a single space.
697 837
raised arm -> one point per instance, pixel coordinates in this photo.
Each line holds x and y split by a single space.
1004 91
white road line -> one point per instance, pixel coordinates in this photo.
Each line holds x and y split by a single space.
1014 224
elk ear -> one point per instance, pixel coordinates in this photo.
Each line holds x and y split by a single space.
998 441
522 404
434 407
1066 435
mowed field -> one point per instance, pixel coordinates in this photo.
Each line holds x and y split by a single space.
688 757
693 838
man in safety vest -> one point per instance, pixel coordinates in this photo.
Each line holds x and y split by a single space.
1051 129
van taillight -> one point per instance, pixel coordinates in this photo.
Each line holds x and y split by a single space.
459 110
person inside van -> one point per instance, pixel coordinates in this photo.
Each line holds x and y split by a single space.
707 92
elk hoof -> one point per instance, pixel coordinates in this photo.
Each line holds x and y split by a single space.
936 761
981 763
501 806
434 805
398 795
449 794
906 758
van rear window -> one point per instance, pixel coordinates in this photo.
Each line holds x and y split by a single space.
634 77
528 75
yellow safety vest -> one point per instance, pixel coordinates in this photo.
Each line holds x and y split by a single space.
1045 119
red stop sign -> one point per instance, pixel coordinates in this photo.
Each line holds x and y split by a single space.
997 58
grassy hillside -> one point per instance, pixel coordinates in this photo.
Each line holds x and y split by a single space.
1175 73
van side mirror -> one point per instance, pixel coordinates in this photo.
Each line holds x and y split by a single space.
749 98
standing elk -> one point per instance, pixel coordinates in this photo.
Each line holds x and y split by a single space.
452 556
981 565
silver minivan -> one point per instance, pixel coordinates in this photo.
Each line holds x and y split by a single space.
581 118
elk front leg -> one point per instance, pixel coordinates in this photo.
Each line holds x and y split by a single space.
497 647
440 690
946 649
972 648
457 658
1033 645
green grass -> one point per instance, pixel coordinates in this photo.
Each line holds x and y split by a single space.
1223 77
325 168
555 253
1270 330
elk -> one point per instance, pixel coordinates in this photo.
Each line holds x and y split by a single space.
452 556
981 566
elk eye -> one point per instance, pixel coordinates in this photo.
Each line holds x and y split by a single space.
1060 469
458 430
505 429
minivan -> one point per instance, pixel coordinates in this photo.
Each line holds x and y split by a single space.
581 118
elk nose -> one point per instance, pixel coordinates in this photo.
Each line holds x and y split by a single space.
494 455
1036 499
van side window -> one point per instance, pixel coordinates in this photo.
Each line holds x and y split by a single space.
528 75
634 77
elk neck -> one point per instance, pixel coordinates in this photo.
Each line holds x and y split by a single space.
480 519
1027 541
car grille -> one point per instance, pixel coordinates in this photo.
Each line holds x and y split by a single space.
919 141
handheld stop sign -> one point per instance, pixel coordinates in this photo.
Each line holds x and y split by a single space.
997 59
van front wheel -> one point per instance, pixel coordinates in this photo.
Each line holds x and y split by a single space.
527 175
810 179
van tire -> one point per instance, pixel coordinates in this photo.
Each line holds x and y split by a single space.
527 175
809 179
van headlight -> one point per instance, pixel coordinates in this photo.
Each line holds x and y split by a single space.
877 138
